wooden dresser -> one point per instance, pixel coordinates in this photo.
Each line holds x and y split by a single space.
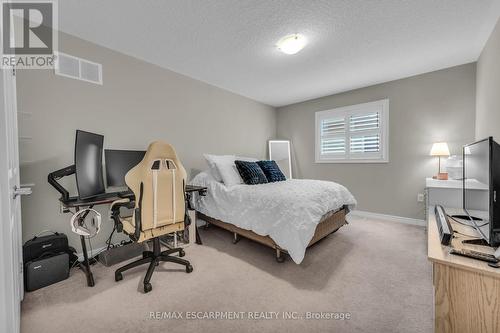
466 291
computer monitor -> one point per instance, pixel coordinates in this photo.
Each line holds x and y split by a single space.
118 163
482 176
88 164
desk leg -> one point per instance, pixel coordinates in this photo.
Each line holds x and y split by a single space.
193 228
85 266
198 238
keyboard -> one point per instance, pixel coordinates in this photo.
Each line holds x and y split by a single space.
125 194
103 196
475 255
107 195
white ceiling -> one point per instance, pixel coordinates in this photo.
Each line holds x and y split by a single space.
230 44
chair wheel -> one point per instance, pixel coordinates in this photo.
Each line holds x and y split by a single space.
118 277
182 253
189 269
147 287
280 259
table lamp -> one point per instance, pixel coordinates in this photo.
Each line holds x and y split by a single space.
440 149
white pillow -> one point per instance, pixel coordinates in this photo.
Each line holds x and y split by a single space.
227 170
210 159
247 159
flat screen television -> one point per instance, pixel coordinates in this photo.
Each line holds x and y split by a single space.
482 173
118 163
88 164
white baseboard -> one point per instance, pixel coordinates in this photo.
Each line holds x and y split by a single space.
94 252
392 218
358 213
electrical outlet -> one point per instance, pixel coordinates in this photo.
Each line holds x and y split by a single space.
420 197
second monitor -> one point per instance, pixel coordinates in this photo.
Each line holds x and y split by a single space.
118 163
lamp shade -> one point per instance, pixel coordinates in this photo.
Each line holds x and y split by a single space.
440 149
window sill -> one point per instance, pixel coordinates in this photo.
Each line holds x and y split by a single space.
350 161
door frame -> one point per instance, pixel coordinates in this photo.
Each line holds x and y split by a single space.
10 290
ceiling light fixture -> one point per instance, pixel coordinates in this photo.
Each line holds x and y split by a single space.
291 44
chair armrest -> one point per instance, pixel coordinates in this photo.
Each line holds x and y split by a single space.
138 215
117 204
115 211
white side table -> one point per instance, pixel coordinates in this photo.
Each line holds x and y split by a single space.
449 193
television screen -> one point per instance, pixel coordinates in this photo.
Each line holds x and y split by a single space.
478 195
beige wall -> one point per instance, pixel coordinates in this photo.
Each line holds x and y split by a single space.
488 88
423 109
137 103
140 102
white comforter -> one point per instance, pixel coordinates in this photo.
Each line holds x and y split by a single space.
287 211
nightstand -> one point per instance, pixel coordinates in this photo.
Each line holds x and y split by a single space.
448 193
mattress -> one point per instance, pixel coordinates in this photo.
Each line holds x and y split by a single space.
287 211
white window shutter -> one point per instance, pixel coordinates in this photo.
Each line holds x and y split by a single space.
364 122
365 143
333 136
333 146
357 133
332 126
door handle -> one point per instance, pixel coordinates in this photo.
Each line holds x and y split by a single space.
21 191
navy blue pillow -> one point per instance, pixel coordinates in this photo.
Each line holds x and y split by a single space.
272 171
250 172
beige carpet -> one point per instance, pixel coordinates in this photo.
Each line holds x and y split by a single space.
376 271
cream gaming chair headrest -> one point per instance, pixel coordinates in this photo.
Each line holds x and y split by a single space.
157 150
162 150
161 178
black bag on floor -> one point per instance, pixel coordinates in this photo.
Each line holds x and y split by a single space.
47 260
46 270
35 247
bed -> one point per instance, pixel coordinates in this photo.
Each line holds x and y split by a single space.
288 216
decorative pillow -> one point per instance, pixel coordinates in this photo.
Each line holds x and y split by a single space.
227 170
210 159
272 171
251 172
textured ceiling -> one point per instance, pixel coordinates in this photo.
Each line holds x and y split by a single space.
230 44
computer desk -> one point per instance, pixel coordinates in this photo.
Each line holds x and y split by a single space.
466 291
108 198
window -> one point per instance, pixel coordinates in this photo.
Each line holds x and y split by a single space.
353 134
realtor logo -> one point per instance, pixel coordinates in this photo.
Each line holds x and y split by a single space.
29 34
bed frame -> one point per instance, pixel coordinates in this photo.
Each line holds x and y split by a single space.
330 223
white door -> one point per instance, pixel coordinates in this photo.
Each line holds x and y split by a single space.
11 268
